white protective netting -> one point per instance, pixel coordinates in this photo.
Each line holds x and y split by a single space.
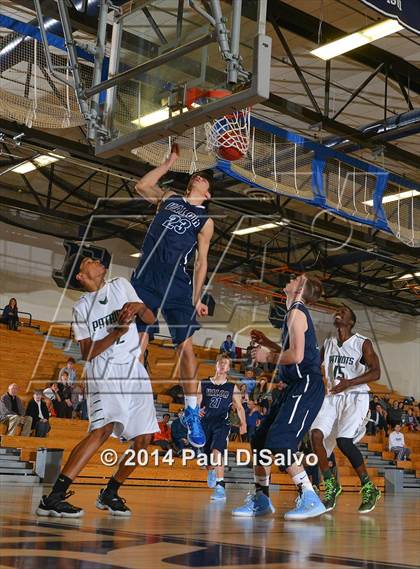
27 92
403 213
194 154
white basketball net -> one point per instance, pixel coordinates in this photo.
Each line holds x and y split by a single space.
230 131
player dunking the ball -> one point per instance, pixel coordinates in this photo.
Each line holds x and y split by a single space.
350 363
291 416
216 397
119 392
180 229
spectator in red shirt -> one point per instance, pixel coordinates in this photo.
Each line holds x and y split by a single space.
163 439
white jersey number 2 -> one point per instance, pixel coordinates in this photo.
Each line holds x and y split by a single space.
177 223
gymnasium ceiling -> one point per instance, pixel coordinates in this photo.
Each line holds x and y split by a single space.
356 261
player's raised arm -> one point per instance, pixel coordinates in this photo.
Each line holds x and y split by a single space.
296 350
201 265
147 187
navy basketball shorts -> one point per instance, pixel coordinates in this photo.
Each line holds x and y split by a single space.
291 417
217 435
160 288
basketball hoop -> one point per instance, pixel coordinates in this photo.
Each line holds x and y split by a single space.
200 147
228 137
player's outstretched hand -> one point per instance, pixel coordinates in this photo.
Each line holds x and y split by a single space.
242 429
259 337
202 411
202 309
341 386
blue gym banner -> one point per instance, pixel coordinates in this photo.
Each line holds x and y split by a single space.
407 12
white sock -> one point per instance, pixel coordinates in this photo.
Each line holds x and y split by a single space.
219 479
302 478
262 480
190 401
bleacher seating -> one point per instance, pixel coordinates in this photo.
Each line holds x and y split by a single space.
31 362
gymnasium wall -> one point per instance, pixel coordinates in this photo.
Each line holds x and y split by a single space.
27 260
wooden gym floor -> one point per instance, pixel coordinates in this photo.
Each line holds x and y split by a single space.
179 527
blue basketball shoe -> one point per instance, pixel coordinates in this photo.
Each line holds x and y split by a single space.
191 421
257 504
219 494
308 505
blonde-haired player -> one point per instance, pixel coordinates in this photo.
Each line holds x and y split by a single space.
216 396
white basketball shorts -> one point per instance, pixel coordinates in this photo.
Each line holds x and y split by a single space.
121 394
342 415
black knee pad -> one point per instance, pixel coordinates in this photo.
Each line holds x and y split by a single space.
350 450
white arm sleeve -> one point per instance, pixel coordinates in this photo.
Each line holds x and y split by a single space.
129 290
80 326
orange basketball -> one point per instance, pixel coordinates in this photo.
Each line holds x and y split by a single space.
231 143
229 153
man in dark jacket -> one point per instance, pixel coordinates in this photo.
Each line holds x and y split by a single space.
179 433
14 406
37 409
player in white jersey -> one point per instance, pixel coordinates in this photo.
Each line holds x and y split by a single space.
350 363
120 397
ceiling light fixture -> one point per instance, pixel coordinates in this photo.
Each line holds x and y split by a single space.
38 162
396 197
263 227
353 41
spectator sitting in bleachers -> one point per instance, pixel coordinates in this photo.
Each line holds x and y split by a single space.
253 417
16 411
38 410
373 402
235 423
394 414
163 439
49 405
179 433
71 372
387 402
52 392
377 421
78 400
261 390
249 380
177 393
65 389
10 315
278 389
411 421
244 392
228 347
397 444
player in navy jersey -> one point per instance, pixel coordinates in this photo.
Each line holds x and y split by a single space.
180 230
290 418
216 396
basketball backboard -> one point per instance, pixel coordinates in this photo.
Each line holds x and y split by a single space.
171 74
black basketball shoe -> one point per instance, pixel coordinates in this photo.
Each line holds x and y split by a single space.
113 503
55 505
